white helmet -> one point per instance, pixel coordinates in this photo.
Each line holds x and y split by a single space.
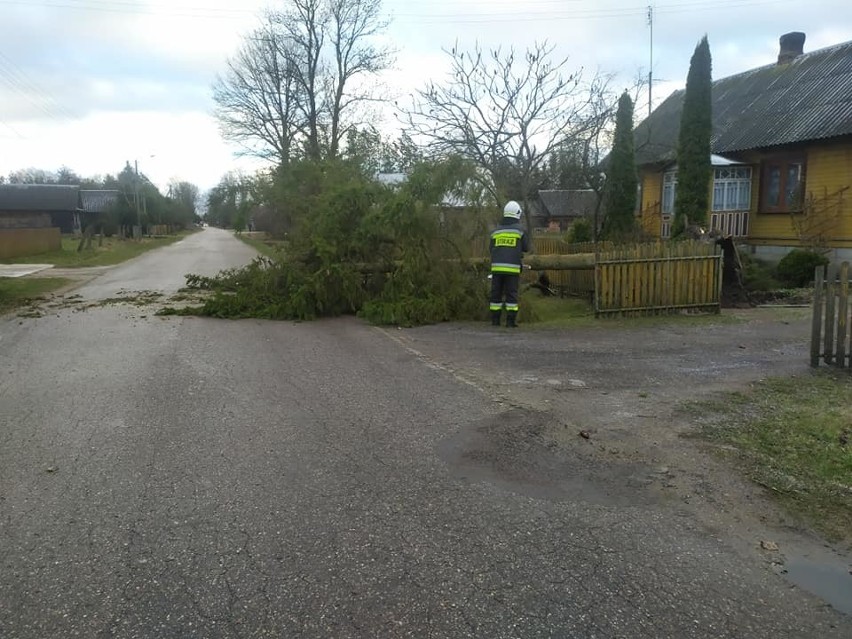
512 209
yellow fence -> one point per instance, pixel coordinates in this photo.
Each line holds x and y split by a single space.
22 242
658 278
638 279
566 282
830 335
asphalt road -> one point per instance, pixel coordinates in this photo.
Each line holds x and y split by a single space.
180 477
163 270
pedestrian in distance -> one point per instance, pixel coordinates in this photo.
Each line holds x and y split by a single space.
508 244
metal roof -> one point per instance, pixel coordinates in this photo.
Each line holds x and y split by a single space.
39 197
93 201
568 203
808 98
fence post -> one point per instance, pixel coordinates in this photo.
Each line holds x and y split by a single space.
843 314
830 306
819 276
719 276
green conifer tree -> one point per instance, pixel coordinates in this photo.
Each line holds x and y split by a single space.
622 181
692 198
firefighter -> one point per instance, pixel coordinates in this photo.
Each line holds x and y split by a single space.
508 244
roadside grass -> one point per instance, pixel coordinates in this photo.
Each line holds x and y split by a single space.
792 436
113 251
269 248
551 312
18 292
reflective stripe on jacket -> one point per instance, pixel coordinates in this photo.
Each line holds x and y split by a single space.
508 244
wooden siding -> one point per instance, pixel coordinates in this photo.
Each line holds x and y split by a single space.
650 220
25 220
828 170
21 242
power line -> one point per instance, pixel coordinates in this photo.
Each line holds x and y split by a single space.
529 12
119 6
580 14
13 77
13 129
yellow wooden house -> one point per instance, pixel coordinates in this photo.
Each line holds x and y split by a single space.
781 155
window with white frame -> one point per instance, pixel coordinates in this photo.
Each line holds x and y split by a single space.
732 188
669 189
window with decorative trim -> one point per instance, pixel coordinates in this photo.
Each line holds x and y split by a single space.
669 190
783 181
732 188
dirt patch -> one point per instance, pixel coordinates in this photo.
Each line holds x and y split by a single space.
154 301
523 451
792 297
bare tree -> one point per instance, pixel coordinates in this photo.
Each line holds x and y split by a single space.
303 24
353 24
506 112
257 100
291 89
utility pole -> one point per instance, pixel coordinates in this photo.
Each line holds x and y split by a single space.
651 63
136 197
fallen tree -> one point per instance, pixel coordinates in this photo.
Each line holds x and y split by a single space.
419 271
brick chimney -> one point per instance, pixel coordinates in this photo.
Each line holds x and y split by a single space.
792 46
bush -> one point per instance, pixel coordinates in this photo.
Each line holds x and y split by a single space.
758 275
580 231
797 267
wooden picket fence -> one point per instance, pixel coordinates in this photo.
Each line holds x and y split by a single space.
654 278
658 279
831 340
575 282
580 283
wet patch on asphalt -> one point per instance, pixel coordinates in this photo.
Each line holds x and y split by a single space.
523 451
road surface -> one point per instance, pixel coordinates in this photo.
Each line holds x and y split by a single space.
186 477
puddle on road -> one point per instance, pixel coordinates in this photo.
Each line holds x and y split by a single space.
831 582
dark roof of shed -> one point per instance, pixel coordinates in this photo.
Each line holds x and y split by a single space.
97 201
809 98
568 203
39 197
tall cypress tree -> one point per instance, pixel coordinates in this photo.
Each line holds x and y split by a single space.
622 182
692 199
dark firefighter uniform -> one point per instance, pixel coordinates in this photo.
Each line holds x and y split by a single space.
508 244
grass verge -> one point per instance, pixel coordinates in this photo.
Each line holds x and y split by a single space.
538 311
269 248
18 292
113 251
794 437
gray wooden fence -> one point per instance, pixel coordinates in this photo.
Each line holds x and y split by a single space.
831 340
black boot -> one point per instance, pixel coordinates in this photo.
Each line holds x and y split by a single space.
511 320
495 318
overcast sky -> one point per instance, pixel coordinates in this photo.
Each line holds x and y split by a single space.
91 84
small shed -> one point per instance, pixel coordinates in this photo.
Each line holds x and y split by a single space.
38 206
